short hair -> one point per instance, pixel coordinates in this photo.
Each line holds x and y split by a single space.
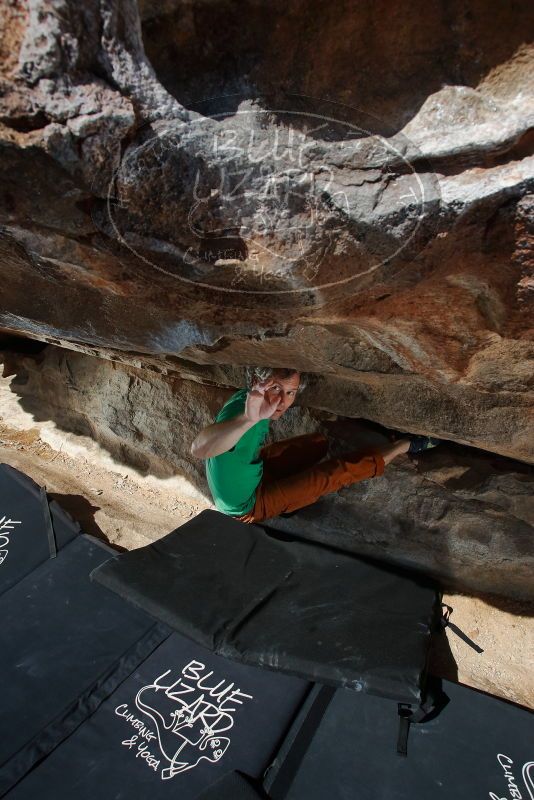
259 374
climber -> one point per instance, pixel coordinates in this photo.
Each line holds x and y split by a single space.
252 482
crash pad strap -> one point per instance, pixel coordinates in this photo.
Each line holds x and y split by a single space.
49 525
435 701
315 708
402 736
446 623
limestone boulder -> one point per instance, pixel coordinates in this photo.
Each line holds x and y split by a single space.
190 188
462 515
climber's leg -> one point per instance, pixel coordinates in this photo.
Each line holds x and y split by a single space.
276 496
288 456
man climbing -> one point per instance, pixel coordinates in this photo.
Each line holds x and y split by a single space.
252 482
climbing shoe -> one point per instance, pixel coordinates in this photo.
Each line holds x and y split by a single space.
419 444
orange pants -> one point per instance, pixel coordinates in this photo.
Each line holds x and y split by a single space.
290 481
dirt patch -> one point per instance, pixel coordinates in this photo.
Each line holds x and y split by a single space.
111 501
13 21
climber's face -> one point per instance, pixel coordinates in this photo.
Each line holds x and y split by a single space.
282 389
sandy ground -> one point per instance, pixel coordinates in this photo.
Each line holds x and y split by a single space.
128 510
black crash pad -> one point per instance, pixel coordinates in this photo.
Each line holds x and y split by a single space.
24 539
476 747
290 605
65 644
233 786
181 722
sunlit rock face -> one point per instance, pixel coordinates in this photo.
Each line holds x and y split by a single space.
346 189
460 514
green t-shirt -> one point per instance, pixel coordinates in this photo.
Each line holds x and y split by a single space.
233 476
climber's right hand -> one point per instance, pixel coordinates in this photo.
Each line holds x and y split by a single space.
258 406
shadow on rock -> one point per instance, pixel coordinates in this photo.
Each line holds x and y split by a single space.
84 512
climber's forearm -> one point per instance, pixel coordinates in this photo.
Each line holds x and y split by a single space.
220 437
